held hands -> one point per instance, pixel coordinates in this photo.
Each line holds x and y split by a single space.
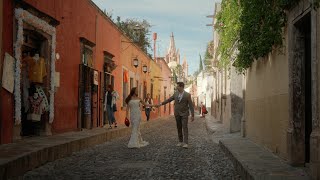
153 105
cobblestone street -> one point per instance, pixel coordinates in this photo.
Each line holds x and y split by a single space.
160 160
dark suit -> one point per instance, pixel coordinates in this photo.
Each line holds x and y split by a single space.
181 113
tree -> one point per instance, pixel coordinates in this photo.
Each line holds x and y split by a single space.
200 64
208 56
174 75
228 26
178 69
137 31
196 73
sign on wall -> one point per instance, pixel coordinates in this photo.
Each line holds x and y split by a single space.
95 78
8 73
57 79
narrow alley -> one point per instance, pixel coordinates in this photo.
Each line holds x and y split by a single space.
159 160
74 73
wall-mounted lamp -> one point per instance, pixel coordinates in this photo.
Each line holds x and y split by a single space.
144 68
135 62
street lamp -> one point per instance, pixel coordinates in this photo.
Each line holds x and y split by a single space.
144 68
135 62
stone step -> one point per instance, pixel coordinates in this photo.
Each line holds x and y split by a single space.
256 163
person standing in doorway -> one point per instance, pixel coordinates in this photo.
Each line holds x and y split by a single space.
148 109
182 105
110 106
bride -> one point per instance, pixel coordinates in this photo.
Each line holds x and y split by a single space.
133 102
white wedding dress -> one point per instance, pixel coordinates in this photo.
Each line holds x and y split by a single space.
135 118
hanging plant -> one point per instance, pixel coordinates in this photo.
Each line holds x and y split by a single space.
262 30
254 27
228 26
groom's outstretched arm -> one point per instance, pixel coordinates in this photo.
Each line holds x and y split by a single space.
190 104
167 101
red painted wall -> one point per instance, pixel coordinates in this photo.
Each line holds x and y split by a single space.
78 18
7 100
68 46
74 23
166 73
128 52
108 39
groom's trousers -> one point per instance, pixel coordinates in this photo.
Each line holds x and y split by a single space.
182 126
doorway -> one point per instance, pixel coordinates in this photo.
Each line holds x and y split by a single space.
304 26
35 81
108 80
301 90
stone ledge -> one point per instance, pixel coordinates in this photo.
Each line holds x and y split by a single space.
17 165
25 155
255 163
242 170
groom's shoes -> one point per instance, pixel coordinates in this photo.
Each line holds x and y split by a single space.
185 146
179 144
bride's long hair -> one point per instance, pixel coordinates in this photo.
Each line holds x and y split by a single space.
132 92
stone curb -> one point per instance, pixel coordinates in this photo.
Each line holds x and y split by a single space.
251 161
252 168
18 158
243 171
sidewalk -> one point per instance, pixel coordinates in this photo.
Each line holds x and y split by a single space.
250 160
24 155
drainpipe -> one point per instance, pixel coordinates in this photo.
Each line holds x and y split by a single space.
243 119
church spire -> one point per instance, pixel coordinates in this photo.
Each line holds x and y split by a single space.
172 48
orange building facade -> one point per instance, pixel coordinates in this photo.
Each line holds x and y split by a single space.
83 53
167 88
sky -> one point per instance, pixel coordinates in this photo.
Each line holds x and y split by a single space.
186 19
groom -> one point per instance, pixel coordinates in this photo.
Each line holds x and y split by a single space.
182 105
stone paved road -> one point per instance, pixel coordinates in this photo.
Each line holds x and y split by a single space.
160 160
